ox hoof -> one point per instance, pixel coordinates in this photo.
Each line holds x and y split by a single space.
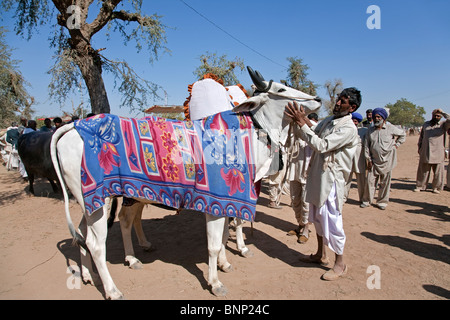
91 279
220 291
148 248
137 265
115 295
247 253
133 263
227 268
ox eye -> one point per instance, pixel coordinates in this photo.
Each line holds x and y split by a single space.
282 90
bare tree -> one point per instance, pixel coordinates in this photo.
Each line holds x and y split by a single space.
334 88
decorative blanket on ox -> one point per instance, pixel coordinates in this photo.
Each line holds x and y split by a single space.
205 165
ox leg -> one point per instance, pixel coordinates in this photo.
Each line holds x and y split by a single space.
127 216
216 249
223 263
54 186
31 182
87 271
240 244
97 230
143 242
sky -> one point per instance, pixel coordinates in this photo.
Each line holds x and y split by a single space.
408 56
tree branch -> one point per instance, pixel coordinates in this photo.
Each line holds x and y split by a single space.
136 17
103 17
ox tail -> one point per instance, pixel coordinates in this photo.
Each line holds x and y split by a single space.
77 238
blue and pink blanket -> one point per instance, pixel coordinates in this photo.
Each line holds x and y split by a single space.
204 165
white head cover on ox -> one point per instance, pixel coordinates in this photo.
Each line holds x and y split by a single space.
208 97
236 94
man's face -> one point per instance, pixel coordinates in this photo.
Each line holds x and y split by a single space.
355 121
369 116
342 107
436 117
378 121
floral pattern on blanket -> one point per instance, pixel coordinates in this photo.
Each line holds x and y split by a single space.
205 165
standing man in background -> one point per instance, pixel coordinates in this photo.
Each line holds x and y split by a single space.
47 127
432 152
380 150
297 177
359 162
369 121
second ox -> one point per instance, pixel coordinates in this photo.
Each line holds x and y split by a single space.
34 151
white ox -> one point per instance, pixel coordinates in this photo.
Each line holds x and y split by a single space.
208 97
267 109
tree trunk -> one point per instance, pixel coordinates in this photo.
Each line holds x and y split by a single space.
91 70
87 59
90 66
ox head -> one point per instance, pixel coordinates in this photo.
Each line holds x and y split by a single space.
269 102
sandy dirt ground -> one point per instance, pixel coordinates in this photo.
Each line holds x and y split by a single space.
404 249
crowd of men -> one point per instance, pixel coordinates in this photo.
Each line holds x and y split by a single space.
10 139
330 152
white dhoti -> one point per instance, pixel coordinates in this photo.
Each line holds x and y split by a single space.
328 222
22 169
13 159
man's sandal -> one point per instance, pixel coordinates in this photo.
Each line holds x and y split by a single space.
302 239
331 275
273 205
294 232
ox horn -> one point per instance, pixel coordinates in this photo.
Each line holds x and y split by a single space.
258 80
259 75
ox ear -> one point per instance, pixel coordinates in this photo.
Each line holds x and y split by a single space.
252 103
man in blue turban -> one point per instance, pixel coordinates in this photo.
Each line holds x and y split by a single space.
381 112
380 151
356 117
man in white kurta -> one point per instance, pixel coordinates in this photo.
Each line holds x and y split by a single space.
432 152
334 141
